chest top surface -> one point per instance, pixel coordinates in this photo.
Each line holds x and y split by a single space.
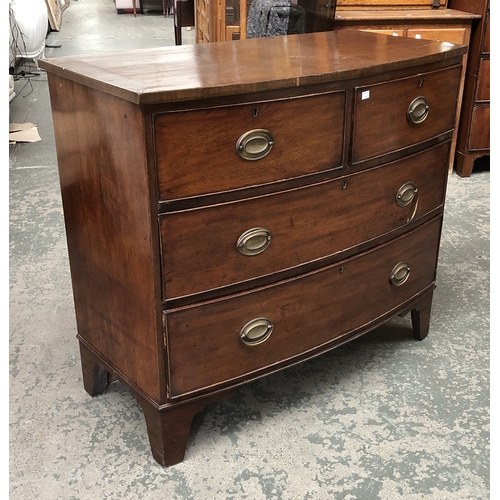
171 74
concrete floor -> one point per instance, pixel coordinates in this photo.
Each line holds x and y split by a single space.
384 417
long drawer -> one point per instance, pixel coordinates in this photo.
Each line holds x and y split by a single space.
211 150
234 337
401 113
213 247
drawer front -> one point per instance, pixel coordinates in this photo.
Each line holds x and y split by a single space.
451 35
486 41
200 247
483 81
381 122
211 150
205 345
374 5
479 137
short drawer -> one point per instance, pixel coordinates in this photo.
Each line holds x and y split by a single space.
392 116
217 246
220 245
225 340
483 81
211 150
486 40
479 137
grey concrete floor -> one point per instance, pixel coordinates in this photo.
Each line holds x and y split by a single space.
384 417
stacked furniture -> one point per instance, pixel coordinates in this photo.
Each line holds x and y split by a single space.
232 216
474 127
227 19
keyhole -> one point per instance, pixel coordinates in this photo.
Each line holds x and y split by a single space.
420 83
255 112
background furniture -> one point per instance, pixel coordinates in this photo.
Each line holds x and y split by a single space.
144 6
183 17
474 127
226 19
248 216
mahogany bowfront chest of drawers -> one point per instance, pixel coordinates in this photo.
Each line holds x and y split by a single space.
235 208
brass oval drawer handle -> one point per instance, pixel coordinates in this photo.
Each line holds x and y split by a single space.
255 144
256 331
407 193
418 110
254 241
400 273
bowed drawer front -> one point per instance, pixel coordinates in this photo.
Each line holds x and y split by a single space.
414 110
242 241
297 316
247 145
247 216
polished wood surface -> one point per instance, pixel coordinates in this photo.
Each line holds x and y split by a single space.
391 100
161 291
171 74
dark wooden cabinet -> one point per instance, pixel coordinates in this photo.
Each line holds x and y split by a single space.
226 218
474 128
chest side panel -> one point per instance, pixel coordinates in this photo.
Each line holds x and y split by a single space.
105 192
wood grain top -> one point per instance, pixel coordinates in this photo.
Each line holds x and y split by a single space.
180 73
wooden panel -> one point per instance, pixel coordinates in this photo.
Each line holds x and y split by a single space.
451 35
483 81
486 41
184 141
391 100
480 128
106 200
202 21
232 32
306 312
386 4
307 224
